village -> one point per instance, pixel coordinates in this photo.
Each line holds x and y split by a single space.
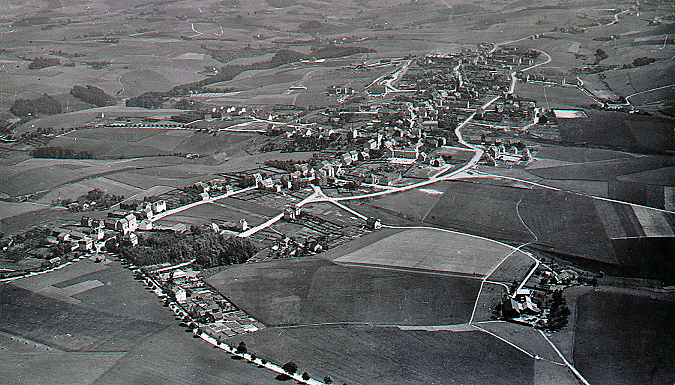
402 135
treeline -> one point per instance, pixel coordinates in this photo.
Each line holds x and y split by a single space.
60 153
103 200
45 104
43 62
332 51
209 249
92 95
154 99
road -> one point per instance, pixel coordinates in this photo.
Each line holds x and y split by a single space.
312 198
194 204
647 91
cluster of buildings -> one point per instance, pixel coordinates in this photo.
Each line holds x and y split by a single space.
189 297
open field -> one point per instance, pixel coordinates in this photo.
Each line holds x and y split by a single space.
620 131
118 333
206 213
309 291
386 355
67 326
484 210
10 209
623 338
557 221
433 250
413 204
172 356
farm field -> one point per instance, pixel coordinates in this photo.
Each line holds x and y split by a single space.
172 356
628 131
413 204
624 338
480 209
10 209
309 291
557 221
69 327
384 355
432 250
118 333
206 213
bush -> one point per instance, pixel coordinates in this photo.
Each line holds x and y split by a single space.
60 153
45 104
43 62
92 95
290 367
305 376
241 349
328 379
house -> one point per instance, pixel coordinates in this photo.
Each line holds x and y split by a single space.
373 223
132 239
289 214
159 206
96 233
86 222
85 244
243 225
122 225
346 159
181 295
63 237
131 220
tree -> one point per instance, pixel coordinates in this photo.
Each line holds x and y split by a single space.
305 376
290 367
328 379
241 349
91 94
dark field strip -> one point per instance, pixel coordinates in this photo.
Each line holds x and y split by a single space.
624 339
67 326
309 291
387 355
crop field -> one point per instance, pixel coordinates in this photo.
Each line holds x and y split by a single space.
515 267
566 223
624 339
553 97
216 211
20 222
147 180
619 130
525 337
563 222
55 367
480 209
661 176
122 143
67 326
309 291
10 209
172 356
388 355
604 170
580 154
432 250
413 204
